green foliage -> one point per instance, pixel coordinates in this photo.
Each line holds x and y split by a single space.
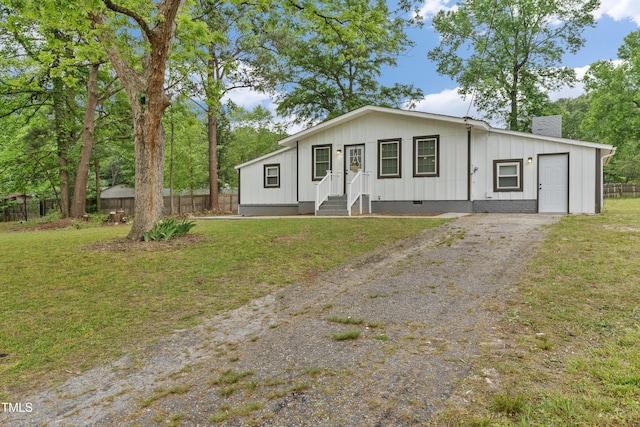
333 53
614 113
244 135
516 46
168 228
187 147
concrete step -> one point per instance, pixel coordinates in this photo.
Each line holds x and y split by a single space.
334 206
332 212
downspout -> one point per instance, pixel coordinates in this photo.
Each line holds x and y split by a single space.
298 174
603 161
468 162
239 186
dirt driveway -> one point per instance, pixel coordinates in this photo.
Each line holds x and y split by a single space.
423 310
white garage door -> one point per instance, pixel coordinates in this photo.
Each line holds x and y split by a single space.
553 183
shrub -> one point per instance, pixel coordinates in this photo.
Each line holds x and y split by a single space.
168 228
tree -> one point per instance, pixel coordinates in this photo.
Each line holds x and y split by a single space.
614 113
245 135
188 131
505 53
143 79
40 72
46 59
231 54
332 56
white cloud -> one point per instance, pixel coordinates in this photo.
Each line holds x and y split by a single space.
249 98
432 7
449 103
620 10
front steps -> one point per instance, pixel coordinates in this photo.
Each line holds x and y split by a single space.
334 206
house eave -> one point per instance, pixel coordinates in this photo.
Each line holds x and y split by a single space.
291 141
606 148
261 158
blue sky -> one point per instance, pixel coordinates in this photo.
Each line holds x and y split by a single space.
615 19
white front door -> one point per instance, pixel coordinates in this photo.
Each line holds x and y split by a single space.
553 183
353 162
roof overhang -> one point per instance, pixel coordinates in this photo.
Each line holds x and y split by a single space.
261 158
290 141
605 149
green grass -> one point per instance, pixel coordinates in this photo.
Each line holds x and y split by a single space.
348 335
571 332
346 320
68 301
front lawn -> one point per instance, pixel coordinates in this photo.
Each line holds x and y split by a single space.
567 349
73 298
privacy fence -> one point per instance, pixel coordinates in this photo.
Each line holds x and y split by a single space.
621 190
31 209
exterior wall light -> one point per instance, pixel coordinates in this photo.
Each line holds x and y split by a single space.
530 160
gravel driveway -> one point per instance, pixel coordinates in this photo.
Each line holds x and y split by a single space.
424 309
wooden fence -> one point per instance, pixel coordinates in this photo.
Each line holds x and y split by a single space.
25 211
182 205
621 190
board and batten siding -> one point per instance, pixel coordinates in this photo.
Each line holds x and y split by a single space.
451 184
487 147
252 190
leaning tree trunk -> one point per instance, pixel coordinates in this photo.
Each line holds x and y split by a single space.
79 204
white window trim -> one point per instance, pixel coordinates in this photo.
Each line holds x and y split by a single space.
518 175
267 168
436 156
314 161
398 173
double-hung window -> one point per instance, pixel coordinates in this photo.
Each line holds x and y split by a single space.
321 162
426 151
272 176
389 158
507 175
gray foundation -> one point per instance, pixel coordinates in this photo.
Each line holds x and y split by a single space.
267 210
505 206
420 206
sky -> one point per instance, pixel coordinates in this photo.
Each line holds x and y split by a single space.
615 19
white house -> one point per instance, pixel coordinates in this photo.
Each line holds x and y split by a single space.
384 160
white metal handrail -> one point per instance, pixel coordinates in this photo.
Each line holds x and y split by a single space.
354 191
326 187
366 189
357 188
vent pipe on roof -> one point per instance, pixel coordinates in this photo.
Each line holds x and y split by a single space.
547 126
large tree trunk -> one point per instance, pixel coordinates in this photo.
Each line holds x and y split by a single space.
145 90
150 144
79 204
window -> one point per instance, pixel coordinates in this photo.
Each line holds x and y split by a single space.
389 158
272 176
321 161
426 152
507 175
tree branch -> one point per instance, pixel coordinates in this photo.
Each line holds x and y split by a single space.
131 14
